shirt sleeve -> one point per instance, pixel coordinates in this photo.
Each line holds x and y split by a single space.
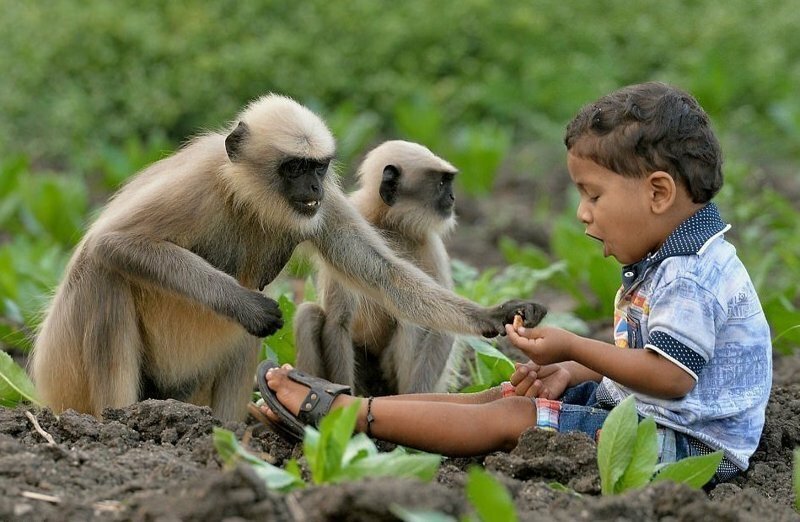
682 324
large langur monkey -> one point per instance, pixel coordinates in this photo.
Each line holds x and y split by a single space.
406 192
162 297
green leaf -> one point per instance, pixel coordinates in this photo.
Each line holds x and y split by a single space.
643 460
358 447
398 463
325 449
15 386
280 345
491 365
232 453
615 447
693 471
490 498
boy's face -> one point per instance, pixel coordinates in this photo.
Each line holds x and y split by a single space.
615 209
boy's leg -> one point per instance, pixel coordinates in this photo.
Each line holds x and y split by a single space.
442 427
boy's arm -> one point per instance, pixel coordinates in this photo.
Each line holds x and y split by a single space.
639 369
579 373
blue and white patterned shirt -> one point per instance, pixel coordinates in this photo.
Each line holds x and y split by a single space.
693 302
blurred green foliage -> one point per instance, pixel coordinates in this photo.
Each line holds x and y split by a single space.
91 91
80 73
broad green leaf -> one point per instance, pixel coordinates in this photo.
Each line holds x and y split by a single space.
231 453
490 498
643 460
419 515
398 463
694 471
491 366
358 447
15 385
615 447
280 345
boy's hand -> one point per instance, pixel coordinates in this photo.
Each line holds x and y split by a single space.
543 344
545 382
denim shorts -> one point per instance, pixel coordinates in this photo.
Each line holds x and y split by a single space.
579 410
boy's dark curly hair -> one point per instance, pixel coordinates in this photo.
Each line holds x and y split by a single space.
649 127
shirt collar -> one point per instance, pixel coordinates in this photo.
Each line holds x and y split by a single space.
690 237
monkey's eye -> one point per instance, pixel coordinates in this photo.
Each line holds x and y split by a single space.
320 169
447 177
294 167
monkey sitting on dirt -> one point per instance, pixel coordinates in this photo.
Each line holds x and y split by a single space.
406 192
162 297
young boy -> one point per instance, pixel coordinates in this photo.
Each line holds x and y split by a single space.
691 342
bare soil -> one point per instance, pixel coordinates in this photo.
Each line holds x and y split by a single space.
155 461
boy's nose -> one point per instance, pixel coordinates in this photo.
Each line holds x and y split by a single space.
582 214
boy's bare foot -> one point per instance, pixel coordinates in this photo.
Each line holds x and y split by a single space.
291 394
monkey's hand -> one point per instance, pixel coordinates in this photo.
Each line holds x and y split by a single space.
260 315
532 314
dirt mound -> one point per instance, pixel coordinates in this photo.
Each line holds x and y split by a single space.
155 461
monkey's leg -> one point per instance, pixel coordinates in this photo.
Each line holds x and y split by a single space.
233 384
309 319
112 345
337 338
420 359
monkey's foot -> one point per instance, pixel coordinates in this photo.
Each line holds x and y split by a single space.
295 399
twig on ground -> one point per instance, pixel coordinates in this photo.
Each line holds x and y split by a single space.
41 496
39 430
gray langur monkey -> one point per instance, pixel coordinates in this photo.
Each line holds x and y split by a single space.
406 192
162 296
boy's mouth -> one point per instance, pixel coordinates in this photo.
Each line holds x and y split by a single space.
605 248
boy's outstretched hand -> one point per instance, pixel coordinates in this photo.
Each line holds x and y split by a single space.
545 382
543 344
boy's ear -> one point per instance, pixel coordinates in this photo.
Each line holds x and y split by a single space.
663 191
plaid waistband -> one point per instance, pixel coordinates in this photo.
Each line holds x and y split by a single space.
547 412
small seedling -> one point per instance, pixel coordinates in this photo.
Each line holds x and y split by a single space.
333 455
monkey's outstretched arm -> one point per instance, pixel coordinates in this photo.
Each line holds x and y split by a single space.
171 267
361 257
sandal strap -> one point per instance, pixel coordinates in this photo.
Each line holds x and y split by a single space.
319 398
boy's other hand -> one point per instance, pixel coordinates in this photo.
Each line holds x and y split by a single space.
545 382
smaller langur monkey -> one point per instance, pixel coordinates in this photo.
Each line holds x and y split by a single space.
406 192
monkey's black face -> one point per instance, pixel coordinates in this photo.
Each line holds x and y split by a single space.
445 200
302 183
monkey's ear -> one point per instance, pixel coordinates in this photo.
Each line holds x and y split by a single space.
235 140
389 184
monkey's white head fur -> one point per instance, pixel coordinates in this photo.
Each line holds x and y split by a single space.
411 216
402 154
289 127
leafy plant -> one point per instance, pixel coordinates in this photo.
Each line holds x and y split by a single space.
627 453
232 453
333 455
15 386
